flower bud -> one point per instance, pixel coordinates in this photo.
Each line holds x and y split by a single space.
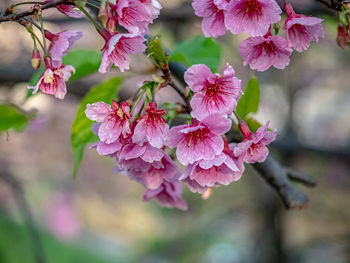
36 59
103 13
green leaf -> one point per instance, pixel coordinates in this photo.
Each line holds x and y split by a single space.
85 63
81 128
249 102
253 124
200 50
12 118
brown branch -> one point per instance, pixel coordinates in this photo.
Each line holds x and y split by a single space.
333 4
277 176
300 177
16 17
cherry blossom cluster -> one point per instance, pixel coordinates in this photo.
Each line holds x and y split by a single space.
133 15
256 17
137 136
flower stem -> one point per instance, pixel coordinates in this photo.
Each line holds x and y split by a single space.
43 34
26 3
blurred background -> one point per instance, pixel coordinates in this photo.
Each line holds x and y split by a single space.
99 217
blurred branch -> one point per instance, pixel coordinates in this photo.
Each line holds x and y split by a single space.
31 11
24 208
270 170
333 4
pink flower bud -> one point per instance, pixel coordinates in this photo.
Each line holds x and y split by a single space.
36 59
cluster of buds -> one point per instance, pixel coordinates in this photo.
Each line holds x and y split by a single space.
343 37
137 136
255 17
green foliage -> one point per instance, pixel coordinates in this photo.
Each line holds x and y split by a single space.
156 53
81 128
12 118
200 50
85 63
249 101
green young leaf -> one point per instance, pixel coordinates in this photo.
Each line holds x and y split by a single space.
11 118
156 53
85 63
81 128
200 50
249 102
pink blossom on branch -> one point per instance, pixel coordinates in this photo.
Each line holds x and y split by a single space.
301 30
151 127
213 93
212 11
254 146
222 170
199 140
60 44
114 120
53 80
117 49
168 195
68 10
260 53
251 16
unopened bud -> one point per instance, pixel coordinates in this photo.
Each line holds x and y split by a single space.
36 59
103 14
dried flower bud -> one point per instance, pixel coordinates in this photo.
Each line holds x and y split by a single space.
36 59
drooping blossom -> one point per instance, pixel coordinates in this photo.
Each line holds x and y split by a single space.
301 30
135 15
68 10
254 146
117 49
199 140
145 152
212 11
53 80
222 170
251 16
213 93
168 195
108 149
151 127
343 36
260 53
114 120
60 44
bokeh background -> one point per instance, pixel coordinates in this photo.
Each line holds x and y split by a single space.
99 217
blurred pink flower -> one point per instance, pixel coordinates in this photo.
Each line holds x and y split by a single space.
151 127
114 121
168 195
199 140
222 170
213 24
213 93
251 16
117 49
53 80
260 53
301 30
60 44
68 10
253 147
62 219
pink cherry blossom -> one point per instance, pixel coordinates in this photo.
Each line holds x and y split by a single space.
251 16
168 195
68 10
199 140
135 15
114 120
146 152
60 44
213 93
118 48
253 147
261 53
301 30
151 127
152 175
212 11
222 170
53 80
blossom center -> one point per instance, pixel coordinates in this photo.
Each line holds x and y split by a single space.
251 8
197 135
49 78
268 46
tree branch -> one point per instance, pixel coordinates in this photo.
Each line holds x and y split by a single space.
16 17
333 4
